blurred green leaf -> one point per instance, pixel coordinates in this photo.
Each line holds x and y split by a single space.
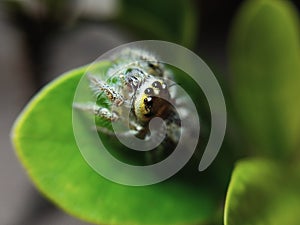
265 62
263 192
45 143
170 20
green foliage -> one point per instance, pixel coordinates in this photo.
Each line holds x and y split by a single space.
265 65
44 140
265 62
263 192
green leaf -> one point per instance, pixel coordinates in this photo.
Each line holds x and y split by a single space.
169 20
44 141
265 64
263 192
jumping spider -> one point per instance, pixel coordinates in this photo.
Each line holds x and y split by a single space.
137 82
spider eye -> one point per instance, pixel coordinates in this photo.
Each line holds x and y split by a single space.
157 84
149 91
151 65
148 103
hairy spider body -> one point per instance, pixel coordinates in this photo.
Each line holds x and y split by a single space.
138 88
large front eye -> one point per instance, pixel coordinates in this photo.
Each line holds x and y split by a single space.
149 91
151 65
148 102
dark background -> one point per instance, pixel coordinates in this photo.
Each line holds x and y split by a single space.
35 50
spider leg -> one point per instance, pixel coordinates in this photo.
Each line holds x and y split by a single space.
106 114
97 111
98 87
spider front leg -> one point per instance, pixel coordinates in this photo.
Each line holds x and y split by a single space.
99 87
108 115
97 111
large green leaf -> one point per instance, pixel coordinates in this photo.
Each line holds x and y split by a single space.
265 63
44 140
263 192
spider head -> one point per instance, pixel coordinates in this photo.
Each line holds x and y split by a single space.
152 100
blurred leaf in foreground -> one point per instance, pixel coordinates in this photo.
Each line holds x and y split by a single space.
265 62
263 192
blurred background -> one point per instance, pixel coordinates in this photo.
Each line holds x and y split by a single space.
41 39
